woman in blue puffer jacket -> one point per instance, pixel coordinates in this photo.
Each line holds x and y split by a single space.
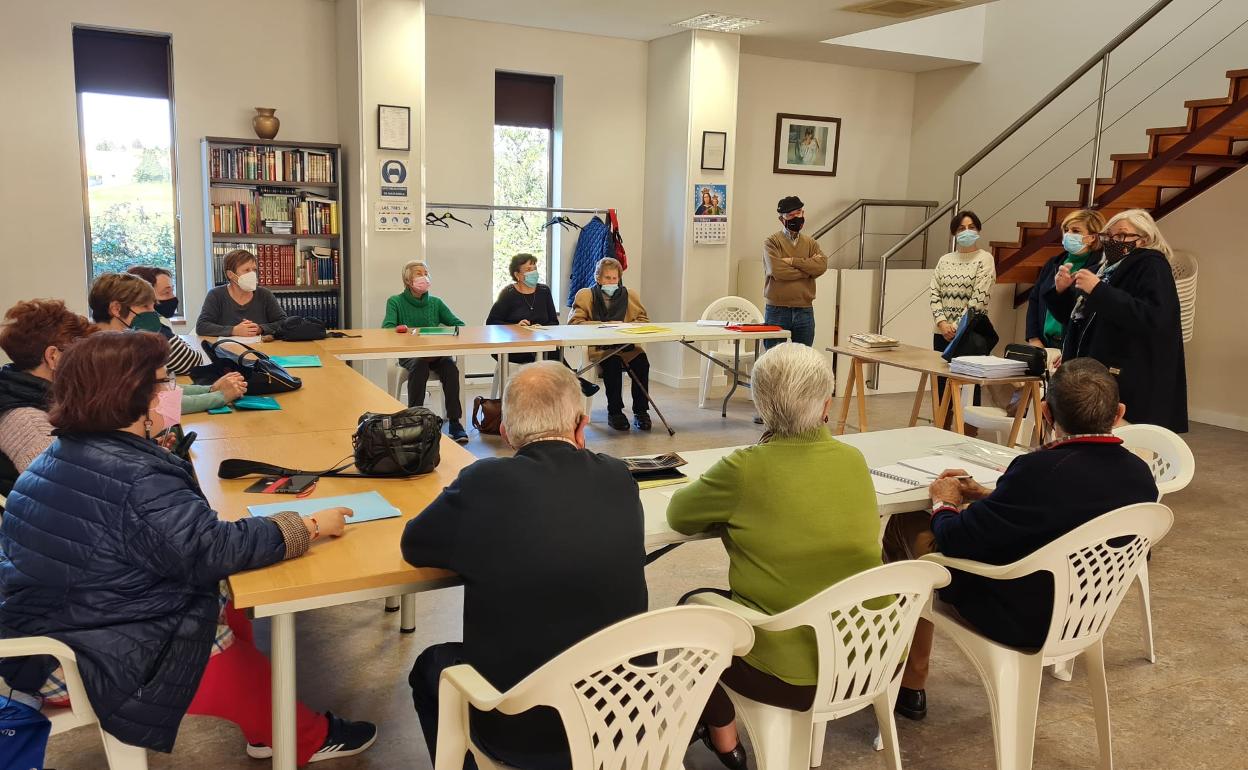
110 546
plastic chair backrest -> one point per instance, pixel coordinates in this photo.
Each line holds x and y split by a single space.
1172 462
624 711
733 310
79 711
860 647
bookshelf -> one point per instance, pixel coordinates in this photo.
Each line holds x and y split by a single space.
281 201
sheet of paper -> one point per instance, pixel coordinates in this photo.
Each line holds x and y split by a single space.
934 465
366 506
244 340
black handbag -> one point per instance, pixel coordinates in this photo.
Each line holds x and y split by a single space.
295 328
1037 359
406 443
263 375
975 336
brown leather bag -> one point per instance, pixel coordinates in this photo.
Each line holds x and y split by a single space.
487 414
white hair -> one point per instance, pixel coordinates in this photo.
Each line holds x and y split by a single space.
606 263
791 382
410 267
542 400
1143 223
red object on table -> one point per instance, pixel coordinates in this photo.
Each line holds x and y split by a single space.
753 328
401 329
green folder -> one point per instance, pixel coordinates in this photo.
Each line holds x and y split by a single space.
449 330
220 410
296 362
256 402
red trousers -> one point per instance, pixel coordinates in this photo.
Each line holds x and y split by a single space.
236 686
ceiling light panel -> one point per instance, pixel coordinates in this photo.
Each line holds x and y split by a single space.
718 22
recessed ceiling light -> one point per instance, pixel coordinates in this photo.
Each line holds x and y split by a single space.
718 22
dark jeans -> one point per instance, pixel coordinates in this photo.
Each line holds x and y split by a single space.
448 374
800 322
424 682
612 380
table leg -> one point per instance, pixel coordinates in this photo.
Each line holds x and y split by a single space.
1037 428
862 397
407 614
461 363
282 653
918 399
735 375
938 414
953 390
392 604
849 394
1020 412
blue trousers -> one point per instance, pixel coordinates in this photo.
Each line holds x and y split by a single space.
800 322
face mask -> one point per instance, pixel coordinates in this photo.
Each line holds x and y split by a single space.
167 307
421 284
146 322
532 278
1115 250
169 407
249 281
794 225
610 289
967 238
1073 243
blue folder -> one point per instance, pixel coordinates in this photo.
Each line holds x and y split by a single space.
366 505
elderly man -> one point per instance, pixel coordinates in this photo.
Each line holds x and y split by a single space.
1084 473
792 262
542 568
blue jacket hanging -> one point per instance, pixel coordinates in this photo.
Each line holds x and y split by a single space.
593 244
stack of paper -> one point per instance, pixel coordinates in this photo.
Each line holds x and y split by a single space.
873 341
988 366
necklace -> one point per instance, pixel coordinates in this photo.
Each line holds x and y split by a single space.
528 299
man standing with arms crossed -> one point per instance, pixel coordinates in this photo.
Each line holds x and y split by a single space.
791 262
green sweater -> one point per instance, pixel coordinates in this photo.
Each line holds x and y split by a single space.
200 398
408 310
798 515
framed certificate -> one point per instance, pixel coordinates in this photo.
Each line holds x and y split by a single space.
394 127
714 148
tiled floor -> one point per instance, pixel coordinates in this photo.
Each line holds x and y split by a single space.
1179 713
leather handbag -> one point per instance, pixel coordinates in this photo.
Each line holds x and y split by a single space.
975 336
295 328
405 443
617 240
263 375
1037 359
487 414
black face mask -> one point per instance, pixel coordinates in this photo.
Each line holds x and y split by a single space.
1116 250
794 225
167 307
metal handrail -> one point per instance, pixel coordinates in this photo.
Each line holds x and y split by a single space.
864 202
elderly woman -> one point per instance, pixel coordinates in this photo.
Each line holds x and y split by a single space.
416 307
130 579
34 335
162 281
121 302
1081 245
608 300
1124 312
796 514
240 307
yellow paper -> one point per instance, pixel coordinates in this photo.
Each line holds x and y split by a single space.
644 329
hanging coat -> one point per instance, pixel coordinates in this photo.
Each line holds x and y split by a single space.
593 244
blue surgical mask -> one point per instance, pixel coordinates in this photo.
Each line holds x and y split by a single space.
532 278
966 238
610 288
1073 243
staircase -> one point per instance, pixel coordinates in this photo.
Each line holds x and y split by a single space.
1181 163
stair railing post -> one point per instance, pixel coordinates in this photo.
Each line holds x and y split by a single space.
862 236
927 212
1090 199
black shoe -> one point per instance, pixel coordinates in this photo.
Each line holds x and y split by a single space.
642 421
733 760
343 739
911 704
457 432
588 388
617 420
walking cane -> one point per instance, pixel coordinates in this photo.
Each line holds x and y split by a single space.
637 382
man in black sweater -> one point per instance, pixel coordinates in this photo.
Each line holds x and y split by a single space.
1083 474
550 546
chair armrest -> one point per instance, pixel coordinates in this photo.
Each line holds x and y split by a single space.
474 687
997 572
753 617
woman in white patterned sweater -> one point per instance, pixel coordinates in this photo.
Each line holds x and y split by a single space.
963 278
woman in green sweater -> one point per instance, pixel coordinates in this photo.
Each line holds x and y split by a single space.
416 307
796 513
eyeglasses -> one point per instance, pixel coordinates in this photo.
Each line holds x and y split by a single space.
168 383
1120 237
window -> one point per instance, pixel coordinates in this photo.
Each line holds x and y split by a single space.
524 122
125 123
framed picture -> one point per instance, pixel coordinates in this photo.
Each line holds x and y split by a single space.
714 148
806 144
394 127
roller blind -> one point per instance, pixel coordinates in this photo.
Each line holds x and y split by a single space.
121 63
524 100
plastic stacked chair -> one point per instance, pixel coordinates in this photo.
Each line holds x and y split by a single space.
860 653
120 756
1090 578
629 696
733 310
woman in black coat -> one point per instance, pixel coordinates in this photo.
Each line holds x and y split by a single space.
1125 314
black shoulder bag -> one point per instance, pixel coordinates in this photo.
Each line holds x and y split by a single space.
263 375
295 328
975 336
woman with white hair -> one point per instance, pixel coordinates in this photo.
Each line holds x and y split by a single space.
416 307
1124 312
796 513
608 300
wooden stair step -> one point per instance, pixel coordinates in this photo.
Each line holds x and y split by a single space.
1005 245
1176 175
1220 101
1189 159
1238 127
1233 74
1032 225
1213 145
1138 197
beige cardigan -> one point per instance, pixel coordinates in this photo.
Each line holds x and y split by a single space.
583 313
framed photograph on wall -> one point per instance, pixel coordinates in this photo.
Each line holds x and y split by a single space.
714 150
806 144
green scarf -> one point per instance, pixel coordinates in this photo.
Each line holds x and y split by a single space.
1053 328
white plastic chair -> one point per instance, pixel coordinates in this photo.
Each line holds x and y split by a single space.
860 652
618 713
732 310
120 756
397 376
1090 578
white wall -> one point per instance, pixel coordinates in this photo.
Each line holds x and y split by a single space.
218 79
603 84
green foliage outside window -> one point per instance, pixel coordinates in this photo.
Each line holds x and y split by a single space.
521 178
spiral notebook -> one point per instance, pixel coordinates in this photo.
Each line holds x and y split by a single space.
891 479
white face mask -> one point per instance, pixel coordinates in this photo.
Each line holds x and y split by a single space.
249 281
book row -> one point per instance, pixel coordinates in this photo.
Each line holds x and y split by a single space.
310 216
268 164
318 307
279 264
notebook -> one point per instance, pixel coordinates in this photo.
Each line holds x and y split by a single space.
891 479
934 465
648 329
366 506
256 402
447 330
296 362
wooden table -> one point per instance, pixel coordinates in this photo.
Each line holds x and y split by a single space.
931 367
365 344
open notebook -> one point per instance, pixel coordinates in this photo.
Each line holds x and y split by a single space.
918 472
